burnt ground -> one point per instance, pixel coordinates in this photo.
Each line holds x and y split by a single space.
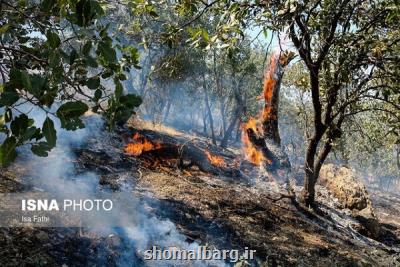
223 212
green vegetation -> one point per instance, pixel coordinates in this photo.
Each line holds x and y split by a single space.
58 55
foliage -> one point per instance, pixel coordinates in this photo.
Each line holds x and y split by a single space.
61 57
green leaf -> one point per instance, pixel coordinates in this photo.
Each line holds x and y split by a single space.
91 62
97 94
8 98
49 132
69 114
38 85
118 89
41 149
19 125
86 11
52 39
4 28
107 74
8 115
7 151
47 5
130 100
107 52
30 133
19 79
86 48
72 109
93 82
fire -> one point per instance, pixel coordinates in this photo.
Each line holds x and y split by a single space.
140 145
253 154
215 160
269 84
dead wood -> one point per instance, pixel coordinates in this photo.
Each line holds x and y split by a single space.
188 153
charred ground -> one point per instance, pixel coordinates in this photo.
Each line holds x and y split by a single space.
224 207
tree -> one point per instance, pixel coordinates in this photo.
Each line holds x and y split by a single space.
348 47
59 56
339 52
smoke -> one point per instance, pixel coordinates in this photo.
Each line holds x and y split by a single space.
57 174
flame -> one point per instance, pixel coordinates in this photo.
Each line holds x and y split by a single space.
215 160
140 145
252 153
269 85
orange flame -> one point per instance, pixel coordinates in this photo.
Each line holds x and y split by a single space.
140 145
269 85
215 160
253 154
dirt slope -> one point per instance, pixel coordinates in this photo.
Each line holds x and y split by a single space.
220 211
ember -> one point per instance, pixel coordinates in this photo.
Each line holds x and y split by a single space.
140 145
215 160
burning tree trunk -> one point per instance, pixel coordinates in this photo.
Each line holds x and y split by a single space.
185 154
261 136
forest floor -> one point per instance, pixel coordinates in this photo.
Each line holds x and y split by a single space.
216 210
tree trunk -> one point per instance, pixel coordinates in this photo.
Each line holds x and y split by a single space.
204 117
210 117
238 133
228 132
223 116
268 121
239 110
272 85
313 165
308 193
167 110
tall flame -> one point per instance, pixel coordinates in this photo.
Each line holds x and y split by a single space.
214 159
140 145
269 85
252 153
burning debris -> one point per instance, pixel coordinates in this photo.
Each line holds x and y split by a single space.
140 145
251 152
215 160
176 152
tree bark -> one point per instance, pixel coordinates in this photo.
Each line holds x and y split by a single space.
223 116
228 132
270 122
210 117
204 117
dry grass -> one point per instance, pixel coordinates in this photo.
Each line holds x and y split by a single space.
256 221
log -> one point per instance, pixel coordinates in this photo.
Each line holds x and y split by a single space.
185 150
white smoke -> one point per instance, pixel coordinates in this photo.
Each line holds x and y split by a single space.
57 174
